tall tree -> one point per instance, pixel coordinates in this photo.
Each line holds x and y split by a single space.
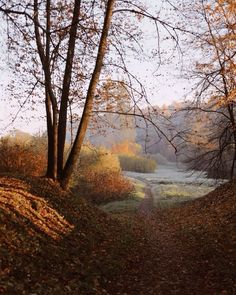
56 43
216 88
62 45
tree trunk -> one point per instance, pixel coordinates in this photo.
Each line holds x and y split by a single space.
66 88
51 110
232 120
233 161
50 162
75 151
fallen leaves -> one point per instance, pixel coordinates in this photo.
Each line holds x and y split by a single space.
54 243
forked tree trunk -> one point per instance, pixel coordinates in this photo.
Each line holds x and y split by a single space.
75 151
57 118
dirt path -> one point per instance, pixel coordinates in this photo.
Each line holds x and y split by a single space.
146 207
188 250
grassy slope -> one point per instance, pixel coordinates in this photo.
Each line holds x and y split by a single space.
52 243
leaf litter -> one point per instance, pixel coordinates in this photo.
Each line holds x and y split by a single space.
53 242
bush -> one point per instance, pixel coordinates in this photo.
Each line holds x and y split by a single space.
22 157
104 186
98 176
97 159
137 164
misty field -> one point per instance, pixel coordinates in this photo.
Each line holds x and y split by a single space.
170 186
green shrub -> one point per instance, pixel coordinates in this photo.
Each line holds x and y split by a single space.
137 164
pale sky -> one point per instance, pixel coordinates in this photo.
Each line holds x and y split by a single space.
162 86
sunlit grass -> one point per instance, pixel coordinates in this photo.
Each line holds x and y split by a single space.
169 195
139 188
165 195
121 206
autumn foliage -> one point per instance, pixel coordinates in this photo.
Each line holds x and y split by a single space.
22 157
104 186
126 148
53 242
99 177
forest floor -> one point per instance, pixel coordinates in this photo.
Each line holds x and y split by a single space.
56 243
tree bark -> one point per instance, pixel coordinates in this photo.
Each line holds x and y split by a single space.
62 125
50 154
75 151
232 119
51 102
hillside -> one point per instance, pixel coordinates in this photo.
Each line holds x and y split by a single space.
56 243
53 243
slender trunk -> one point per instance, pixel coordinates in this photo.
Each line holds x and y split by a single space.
55 143
51 102
233 161
75 151
66 87
49 112
52 127
50 163
232 119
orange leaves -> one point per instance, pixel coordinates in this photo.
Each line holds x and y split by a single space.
126 148
104 186
21 157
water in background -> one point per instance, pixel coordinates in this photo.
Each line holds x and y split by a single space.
171 185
